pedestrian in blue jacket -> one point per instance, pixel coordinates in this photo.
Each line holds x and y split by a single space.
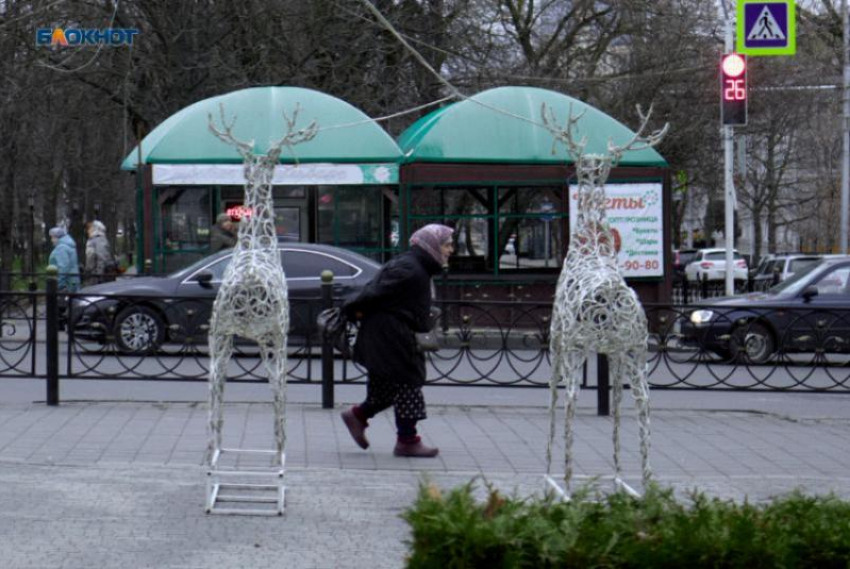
64 258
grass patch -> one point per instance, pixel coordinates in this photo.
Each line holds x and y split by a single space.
453 530
19 278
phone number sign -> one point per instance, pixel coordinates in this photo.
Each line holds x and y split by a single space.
636 217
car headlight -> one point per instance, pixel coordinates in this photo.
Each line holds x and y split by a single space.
701 316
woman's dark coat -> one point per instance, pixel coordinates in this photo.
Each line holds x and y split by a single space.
394 305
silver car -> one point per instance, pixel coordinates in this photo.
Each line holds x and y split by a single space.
777 268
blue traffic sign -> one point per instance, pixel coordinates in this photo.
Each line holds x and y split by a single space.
766 28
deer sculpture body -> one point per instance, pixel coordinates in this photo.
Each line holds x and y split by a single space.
252 302
595 311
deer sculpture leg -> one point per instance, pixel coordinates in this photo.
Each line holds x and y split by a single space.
221 345
553 403
615 365
556 344
274 360
571 367
635 372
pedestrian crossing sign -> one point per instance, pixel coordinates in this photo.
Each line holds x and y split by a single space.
766 27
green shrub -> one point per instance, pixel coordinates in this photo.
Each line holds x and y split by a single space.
454 530
21 275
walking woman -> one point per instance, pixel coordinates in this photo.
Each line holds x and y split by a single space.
391 308
100 264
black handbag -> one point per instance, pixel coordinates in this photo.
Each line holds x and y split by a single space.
333 327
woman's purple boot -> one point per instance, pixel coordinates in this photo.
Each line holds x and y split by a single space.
356 426
413 447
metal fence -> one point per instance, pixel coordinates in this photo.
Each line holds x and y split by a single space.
482 343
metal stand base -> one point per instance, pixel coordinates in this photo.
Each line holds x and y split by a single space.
564 494
252 487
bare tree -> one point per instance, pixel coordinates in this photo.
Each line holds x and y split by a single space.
69 116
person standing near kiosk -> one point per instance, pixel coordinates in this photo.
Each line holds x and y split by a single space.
221 234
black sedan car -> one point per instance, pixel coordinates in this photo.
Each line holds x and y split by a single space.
809 312
140 314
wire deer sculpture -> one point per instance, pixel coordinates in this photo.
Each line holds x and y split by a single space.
252 302
594 309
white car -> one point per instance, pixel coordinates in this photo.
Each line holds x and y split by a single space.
710 264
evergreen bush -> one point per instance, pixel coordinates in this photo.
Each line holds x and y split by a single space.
454 530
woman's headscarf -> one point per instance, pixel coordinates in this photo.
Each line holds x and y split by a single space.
97 228
431 238
58 232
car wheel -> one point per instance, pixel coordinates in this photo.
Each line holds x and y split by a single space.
138 329
753 343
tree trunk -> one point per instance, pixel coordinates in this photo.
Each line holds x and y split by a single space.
757 234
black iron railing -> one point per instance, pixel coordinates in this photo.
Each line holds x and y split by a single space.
50 335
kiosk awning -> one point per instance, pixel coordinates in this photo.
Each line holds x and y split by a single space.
346 135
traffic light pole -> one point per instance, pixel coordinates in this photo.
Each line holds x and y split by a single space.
729 184
729 209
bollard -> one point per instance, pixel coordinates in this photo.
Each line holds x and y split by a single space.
603 386
327 348
52 338
148 266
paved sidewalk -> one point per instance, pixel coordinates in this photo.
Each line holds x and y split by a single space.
120 483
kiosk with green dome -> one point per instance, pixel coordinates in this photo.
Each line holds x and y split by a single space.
485 165
335 194
488 166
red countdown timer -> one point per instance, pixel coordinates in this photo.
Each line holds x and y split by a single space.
733 89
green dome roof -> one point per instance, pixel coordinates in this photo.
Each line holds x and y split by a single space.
346 135
504 125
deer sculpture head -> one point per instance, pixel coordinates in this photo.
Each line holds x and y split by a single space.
592 234
257 230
